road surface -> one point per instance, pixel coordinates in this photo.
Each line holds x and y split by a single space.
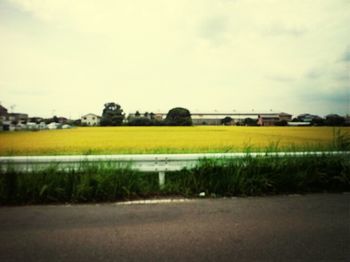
280 228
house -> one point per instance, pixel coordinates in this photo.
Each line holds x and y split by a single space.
273 119
3 112
91 120
17 117
32 126
10 121
62 120
42 125
285 117
53 125
268 119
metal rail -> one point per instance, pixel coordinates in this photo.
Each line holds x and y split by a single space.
160 163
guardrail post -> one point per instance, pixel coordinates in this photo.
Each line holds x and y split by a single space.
161 177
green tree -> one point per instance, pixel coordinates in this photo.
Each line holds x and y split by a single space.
112 115
140 121
250 121
226 121
334 120
178 116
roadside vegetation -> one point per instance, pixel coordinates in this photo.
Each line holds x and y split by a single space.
231 177
108 181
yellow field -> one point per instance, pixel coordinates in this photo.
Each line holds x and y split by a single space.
112 140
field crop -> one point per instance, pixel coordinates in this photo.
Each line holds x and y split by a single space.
131 140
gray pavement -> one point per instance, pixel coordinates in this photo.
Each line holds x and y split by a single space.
280 228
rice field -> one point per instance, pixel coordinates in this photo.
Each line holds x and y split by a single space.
142 140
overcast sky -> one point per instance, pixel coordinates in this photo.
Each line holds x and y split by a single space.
68 57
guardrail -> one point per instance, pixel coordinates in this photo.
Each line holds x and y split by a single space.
160 163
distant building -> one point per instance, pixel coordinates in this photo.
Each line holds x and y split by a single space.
268 120
207 119
285 116
3 112
17 117
62 120
91 120
273 119
53 125
299 123
308 117
217 118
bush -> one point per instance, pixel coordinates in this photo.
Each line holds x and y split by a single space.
178 116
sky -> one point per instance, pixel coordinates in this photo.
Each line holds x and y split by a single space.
68 58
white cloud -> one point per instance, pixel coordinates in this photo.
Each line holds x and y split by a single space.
156 54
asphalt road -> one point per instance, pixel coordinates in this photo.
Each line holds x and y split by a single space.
280 228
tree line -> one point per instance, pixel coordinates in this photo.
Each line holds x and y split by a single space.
113 115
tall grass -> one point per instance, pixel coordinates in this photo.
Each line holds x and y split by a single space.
223 177
89 183
263 175
341 140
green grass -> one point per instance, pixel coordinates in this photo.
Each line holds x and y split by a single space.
230 177
263 175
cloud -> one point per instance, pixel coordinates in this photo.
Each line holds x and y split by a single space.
281 78
203 54
279 29
213 28
315 73
346 55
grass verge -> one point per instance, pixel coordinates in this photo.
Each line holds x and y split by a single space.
225 177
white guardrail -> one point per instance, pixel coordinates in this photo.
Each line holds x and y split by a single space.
160 163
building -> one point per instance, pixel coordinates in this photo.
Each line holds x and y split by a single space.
207 119
91 120
17 117
3 112
285 117
268 119
299 123
308 117
217 118
273 119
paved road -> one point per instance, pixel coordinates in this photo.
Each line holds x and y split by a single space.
280 228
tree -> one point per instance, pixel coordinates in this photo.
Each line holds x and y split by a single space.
55 119
318 121
178 116
140 121
334 120
250 121
137 114
226 121
112 115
